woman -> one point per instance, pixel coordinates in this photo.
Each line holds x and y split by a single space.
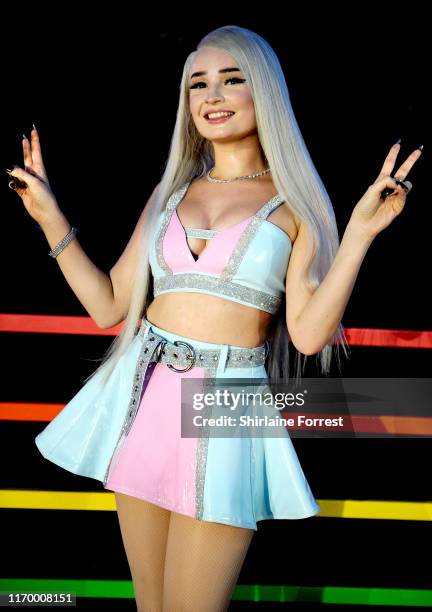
235 252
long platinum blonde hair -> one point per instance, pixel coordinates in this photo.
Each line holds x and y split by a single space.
294 176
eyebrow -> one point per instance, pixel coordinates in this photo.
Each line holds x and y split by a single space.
196 74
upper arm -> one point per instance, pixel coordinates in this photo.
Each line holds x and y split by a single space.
122 274
297 289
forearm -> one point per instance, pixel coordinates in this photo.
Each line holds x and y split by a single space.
91 285
323 313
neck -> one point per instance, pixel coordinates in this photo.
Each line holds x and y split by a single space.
237 159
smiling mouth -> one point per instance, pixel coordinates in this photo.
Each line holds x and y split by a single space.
220 119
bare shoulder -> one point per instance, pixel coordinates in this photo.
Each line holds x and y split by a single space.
285 218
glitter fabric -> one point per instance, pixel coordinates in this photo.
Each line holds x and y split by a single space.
194 232
245 263
220 287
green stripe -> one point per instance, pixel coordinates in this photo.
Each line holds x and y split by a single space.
117 589
346 595
81 588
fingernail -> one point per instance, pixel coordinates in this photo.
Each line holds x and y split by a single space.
12 185
420 147
24 136
402 184
7 170
399 141
34 127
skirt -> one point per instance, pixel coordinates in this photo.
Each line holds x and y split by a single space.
142 434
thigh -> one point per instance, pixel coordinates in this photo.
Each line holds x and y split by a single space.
144 529
202 564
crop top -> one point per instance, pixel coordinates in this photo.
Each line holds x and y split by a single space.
245 263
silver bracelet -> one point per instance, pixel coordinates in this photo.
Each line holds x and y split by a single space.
64 242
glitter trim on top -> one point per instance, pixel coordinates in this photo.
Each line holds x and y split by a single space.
260 287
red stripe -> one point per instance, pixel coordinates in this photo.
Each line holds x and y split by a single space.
50 324
389 337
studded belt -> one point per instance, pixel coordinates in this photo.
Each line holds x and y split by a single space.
181 356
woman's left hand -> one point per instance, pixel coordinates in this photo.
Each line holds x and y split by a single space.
373 212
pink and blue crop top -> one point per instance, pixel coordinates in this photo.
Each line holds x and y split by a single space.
246 262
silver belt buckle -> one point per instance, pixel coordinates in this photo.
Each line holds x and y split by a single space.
159 349
192 356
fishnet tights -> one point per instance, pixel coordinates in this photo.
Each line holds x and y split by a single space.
177 563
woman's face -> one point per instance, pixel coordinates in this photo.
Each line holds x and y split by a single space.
214 91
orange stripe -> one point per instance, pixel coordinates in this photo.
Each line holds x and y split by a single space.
16 411
388 424
360 423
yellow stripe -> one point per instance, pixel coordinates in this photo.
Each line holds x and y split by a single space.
56 500
348 508
373 509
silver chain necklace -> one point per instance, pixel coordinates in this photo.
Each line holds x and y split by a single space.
247 176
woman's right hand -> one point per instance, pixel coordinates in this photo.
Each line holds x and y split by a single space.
36 194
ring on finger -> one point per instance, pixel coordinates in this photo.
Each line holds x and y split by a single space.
402 184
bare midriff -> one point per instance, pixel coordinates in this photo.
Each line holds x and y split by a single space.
205 317
210 319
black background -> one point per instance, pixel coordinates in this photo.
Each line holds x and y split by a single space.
103 91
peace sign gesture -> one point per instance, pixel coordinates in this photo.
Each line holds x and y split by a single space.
32 184
385 198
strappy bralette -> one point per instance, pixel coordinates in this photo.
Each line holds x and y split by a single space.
245 263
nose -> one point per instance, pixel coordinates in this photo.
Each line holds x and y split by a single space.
213 95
